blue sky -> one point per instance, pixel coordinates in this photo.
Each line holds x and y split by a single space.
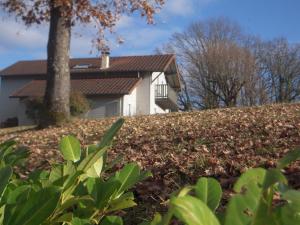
265 18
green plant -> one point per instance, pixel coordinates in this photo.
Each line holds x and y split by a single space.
75 192
262 197
10 155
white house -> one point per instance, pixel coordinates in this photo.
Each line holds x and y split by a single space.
117 86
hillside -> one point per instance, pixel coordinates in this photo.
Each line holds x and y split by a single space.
181 147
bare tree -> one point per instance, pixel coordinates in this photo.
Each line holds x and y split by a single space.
281 69
184 100
222 66
218 62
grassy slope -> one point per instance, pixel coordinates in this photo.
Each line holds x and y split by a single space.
181 147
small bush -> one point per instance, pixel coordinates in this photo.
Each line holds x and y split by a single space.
35 109
78 104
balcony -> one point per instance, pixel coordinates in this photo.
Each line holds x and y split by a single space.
166 97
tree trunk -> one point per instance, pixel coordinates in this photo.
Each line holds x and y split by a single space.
57 95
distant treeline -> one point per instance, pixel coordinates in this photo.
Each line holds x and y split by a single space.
222 66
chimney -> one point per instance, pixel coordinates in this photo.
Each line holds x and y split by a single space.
105 60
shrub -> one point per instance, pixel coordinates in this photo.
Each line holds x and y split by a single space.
261 197
74 192
35 109
78 104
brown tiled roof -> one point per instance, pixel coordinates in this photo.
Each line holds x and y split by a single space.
105 86
150 63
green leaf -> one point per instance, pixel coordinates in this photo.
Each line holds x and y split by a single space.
38 175
103 192
100 149
95 169
289 158
209 191
256 176
75 201
112 220
78 221
89 161
109 135
19 191
5 175
263 212
123 202
70 185
70 148
65 218
193 211
38 207
272 177
292 196
16 156
289 214
6 147
129 176
184 191
56 176
157 219
242 207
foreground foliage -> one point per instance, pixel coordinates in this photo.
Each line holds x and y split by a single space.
261 197
75 192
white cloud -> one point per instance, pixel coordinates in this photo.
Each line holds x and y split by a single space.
184 8
179 7
143 40
16 38
125 22
16 35
145 37
81 46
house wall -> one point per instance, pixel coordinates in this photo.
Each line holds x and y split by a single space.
11 107
145 94
141 100
156 78
130 103
99 107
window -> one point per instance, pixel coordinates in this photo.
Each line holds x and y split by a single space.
82 66
112 109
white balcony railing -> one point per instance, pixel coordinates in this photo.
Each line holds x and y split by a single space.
164 91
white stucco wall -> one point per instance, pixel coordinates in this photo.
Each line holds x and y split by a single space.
129 103
146 94
143 96
11 107
157 78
